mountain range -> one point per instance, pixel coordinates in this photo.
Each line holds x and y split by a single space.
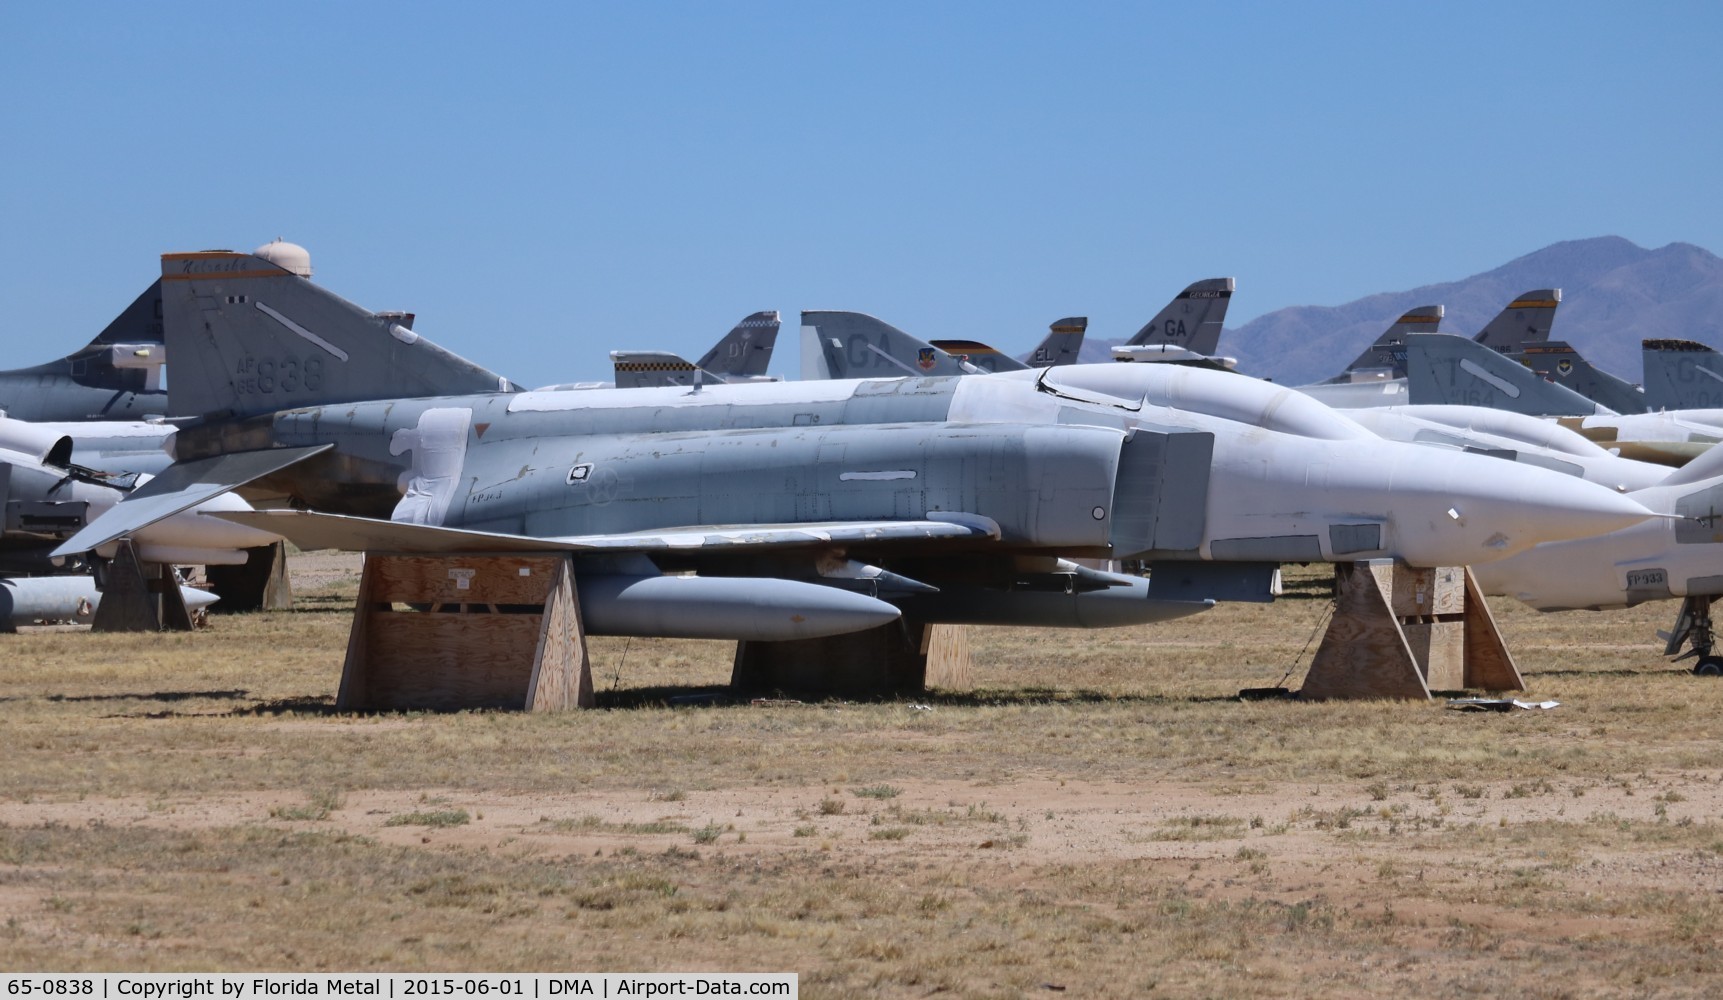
1614 294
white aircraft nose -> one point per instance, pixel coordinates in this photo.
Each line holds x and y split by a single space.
1493 509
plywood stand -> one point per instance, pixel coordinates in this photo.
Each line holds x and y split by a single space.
260 584
1400 632
139 597
880 662
479 631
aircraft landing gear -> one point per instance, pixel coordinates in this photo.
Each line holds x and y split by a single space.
1693 628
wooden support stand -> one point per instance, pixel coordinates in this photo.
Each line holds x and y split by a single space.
260 584
139 597
498 631
1400 632
880 662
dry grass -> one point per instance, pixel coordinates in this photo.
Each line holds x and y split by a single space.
1100 814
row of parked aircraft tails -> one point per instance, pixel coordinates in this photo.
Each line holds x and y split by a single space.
699 504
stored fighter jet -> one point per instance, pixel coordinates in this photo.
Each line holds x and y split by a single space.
48 497
742 355
814 508
1446 369
1513 436
1658 559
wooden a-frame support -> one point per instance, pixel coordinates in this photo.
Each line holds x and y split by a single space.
899 658
1399 632
140 597
492 631
259 584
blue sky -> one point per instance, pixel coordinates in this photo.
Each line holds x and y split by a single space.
544 183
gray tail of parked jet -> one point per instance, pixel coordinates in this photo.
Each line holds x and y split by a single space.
742 355
250 337
1682 375
1065 341
1192 320
1061 346
1445 368
1556 361
127 356
1526 320
838 344
746 350
1389 350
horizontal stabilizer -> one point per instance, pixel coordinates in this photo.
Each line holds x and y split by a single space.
643 369
181 487
311 530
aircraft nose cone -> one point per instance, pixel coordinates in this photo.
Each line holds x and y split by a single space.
1498 508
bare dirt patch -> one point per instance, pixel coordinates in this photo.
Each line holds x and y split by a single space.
1100 814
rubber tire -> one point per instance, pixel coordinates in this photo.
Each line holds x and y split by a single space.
1710 666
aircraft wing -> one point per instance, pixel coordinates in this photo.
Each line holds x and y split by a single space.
180 487
312 530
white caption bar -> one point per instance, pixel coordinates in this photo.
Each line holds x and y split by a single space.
397 986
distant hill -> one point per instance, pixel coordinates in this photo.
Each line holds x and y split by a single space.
1614 294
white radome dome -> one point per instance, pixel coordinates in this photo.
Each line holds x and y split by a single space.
287 256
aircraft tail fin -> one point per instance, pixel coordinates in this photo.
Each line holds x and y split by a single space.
1557 361
1065 341
127 356
1193 319
1443 368
1682 375
252 337
746 350
1526 320
838 344
1389 350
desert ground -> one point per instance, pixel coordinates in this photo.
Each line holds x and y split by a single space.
1100 816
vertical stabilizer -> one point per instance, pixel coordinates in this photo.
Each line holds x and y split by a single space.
1557 361
746 350
1065 340
249 336
1682 375
1192 320
116 376
1444 368
1526 320
856 345
1389 350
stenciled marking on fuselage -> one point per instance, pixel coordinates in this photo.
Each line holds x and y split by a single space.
268 375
